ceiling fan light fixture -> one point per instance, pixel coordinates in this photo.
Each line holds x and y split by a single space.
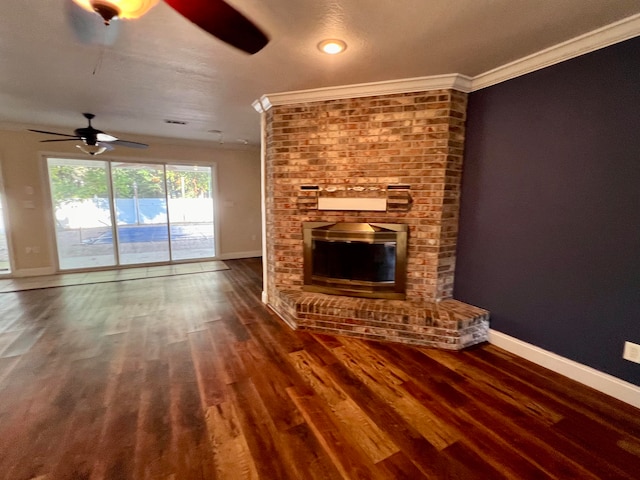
109 9
105 137
92 149
332 46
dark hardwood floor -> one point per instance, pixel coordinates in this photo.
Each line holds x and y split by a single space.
191 377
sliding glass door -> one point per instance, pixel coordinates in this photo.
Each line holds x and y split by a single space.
141 203
109 213
190 211
82 213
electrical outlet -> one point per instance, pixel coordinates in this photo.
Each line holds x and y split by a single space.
631 352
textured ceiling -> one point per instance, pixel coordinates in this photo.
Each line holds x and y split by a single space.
163 67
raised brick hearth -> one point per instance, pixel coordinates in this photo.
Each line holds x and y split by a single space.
447 324
416 139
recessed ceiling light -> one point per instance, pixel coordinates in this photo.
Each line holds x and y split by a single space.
332 46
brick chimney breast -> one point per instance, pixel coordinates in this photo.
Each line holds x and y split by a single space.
415 139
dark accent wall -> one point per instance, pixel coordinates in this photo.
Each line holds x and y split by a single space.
549 237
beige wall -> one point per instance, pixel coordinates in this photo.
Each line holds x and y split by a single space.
24 173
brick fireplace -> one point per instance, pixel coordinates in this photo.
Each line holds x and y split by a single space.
404 150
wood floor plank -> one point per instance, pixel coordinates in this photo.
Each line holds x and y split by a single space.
87 414
589 433
502 390
189 436
611 412
192 377
352 420
259 432
468 464
270 385
400 467
432 387
386 385
305 455
6 367
118 436
231 455
422 453
209 376
532 432
19 462
23 342
154 428
241 306
348 458
6 339
228 362
117 439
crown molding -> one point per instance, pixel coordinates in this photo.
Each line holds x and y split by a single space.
261 105
611 34
602 37
408 85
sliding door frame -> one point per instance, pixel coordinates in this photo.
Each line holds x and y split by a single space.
114 215
7 227
112 207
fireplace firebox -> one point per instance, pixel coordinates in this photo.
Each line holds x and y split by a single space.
355 259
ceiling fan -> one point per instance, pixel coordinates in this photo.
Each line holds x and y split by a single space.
94 141
216 17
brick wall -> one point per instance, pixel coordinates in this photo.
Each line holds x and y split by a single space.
413 138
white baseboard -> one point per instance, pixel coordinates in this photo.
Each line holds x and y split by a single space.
603 382
265 298
238 255
34 272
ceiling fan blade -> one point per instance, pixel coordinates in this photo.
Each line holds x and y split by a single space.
74 139
223 21
126 143
53 133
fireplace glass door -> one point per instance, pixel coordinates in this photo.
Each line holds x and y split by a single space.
355 259
360 261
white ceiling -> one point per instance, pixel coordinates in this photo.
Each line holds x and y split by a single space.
163 67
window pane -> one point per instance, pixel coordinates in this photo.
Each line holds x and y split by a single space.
80 197
190 212
141 210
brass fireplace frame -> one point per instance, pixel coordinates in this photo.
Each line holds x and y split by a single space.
356 232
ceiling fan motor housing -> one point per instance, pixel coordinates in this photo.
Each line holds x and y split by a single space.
106 10
89 135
